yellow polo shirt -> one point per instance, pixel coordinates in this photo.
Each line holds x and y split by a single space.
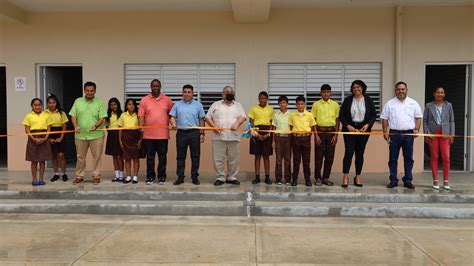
128 120
113 121
325 112
58 119
36 121
301 121
261 116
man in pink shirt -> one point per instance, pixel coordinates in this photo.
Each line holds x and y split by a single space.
153 111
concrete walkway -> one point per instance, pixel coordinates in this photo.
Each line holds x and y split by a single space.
461 183
145 240
373 200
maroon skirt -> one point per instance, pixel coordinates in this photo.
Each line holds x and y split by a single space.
258 147
130 148
56 147
38 152
112 146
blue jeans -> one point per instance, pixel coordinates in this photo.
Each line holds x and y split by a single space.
406 144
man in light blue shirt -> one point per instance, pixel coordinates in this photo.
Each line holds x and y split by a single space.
185 114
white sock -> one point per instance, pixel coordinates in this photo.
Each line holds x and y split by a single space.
117 173
121 174
60 172
128 178
56 173
135 178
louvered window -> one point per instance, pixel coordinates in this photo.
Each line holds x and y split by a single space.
208 80
293 80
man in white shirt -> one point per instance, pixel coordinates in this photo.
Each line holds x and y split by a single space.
226 114
401 117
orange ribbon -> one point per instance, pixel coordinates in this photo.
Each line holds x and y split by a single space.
253 130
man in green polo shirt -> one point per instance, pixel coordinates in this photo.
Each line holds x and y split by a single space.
87 115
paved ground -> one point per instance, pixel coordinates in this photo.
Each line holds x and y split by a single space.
47 239
143 240
461 183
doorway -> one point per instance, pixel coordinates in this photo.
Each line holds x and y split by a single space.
455 80
66 83
3 117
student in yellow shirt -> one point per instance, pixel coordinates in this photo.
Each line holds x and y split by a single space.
302 124
282 142
131 140
326 113
38 149
261 116
112 147
58 123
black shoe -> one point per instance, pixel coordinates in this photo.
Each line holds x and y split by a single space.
233 182
65 179
161 180
55 178
196 181
327 182
294 183
308 183
268 181
357 184
149 181
178 181
318 182
409 185
256 180
392 185
218 183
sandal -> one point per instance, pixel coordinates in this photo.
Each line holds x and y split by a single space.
446 185
78 180
435 185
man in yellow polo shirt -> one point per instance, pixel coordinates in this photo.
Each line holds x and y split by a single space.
302 124
326 113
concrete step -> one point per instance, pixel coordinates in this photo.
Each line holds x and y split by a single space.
239 208
357 209
126 195
350 196
125 207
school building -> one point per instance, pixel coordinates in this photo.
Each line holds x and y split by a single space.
286 47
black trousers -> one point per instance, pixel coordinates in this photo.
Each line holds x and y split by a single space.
153 147
184 139
354 144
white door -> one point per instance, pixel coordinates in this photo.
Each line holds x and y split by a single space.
52 83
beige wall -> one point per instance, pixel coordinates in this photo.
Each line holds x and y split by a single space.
103 43
2 42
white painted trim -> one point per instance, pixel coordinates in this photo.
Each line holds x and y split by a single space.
450 63
470 87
